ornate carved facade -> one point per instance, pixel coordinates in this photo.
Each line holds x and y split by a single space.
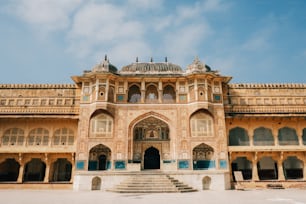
152 116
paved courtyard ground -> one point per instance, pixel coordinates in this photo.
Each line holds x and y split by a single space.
290 196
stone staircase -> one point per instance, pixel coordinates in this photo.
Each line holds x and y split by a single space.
151 183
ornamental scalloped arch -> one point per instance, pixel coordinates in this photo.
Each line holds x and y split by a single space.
140 118
147 115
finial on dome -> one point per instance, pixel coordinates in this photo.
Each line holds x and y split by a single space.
166 59
105 57
136 59
151 59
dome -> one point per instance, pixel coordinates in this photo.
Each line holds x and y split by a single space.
198 66
105 66
151 68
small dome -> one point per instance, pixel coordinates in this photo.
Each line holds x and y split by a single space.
151 68
105 66
198 66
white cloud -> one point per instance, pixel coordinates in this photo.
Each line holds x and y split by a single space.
146 4
184 42
44 14
103 26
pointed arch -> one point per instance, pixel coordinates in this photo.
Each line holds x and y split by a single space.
151 128
267 168
293 168
61 170
101 124
287 136
151 93
152 158
203 157
238 137
201 124
9 170
134 94
111 94
34 170
169 94
263 137
96 183
99 158
244 165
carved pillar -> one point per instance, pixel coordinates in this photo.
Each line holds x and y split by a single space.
177 90
73 166
300 137
304 169
20 175
160 92
254 168
47 171
21 169
196 97
275 136
143 91
281 176
250 134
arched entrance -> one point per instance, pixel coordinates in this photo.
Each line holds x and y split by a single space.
203 157
9 170
99 158
61 170
151 158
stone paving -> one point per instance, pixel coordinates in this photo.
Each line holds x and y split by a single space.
287 196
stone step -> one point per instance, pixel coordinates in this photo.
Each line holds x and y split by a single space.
151 183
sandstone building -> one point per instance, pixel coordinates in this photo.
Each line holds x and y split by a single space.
192 124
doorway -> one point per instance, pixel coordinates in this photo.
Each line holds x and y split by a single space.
152 158
102 162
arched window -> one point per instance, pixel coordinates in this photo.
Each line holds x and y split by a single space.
238 137
293 168
9 170
34 170
244 165
99 158
134 95
267 168
287 136
111 94
201 125
263 137
169 94
38 136
13 136
151 94
101 125
63 136
61 170
151 128
304 136
203 157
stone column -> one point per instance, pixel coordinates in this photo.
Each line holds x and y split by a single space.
196 97
143 91
304 169
46 179
250 134
20 176
281 176
160 92
254 168
47 171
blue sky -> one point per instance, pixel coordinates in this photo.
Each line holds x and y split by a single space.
254 41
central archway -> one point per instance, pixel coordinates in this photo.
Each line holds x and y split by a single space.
151 158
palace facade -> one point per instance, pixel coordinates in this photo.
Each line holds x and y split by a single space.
191 123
